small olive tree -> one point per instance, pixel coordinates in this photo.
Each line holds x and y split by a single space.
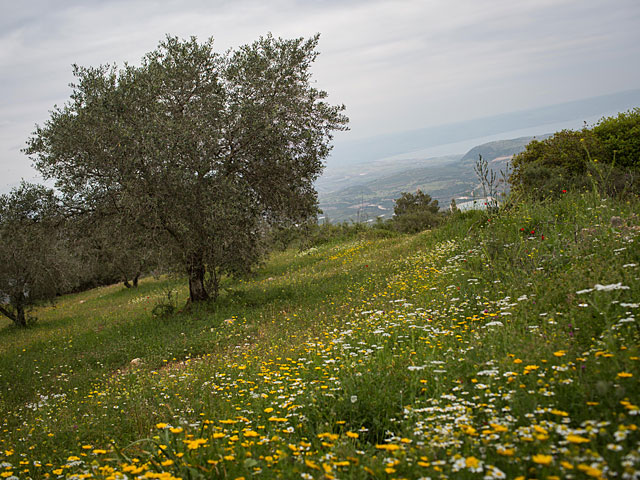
414 212
32 263
199 150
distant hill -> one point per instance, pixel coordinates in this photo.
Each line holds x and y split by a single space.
363 193
499 149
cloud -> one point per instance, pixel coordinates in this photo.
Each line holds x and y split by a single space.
396 64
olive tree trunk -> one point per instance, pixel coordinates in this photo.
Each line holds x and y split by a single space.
134 282
21 318
16 314
197 290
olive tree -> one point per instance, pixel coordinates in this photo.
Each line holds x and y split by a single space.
200 150
31 261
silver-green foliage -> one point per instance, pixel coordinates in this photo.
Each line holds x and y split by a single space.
33 264
415 212
199 149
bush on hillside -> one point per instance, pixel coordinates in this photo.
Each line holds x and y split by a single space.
560 162
416 212
620 136
604 157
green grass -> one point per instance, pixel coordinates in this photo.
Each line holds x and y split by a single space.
466 352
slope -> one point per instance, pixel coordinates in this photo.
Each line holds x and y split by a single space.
493 347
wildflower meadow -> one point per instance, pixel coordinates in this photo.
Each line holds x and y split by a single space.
504 344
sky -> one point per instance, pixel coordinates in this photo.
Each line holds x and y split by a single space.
396 64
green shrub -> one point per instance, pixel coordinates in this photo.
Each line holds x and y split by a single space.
416 212
167 305
621 138
560 162
604 157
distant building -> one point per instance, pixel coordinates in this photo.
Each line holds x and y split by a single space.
476 204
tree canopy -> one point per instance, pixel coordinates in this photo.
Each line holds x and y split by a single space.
195 150
32 264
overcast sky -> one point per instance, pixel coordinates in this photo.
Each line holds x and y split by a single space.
396 65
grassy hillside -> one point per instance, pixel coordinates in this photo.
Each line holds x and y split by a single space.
494 347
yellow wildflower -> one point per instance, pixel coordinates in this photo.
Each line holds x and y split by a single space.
472 462
577 439
195 444
542 459
589 470
311 464
388 447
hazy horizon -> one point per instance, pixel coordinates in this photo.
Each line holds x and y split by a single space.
375 146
